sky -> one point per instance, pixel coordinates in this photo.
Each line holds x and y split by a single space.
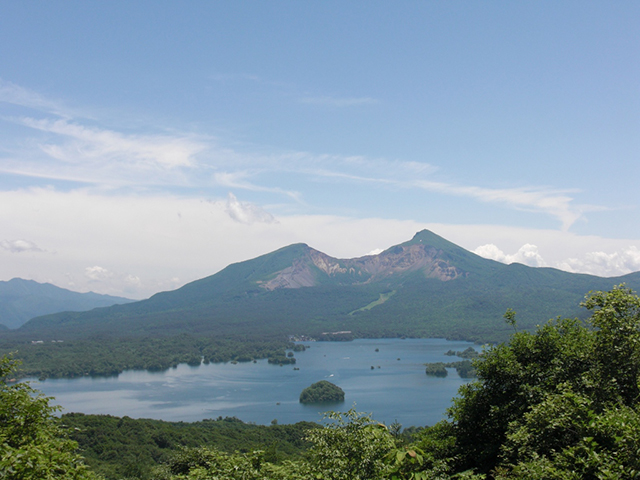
146 144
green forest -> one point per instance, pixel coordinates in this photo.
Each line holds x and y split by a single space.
322 392
231 316
557 403
103 356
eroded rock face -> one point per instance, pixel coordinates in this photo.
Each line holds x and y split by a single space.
297 275
401 259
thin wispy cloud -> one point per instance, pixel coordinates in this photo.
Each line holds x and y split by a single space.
407 175
80 153
16 95
238 180
88 143
557 203
77 150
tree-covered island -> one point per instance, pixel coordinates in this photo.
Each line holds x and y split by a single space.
322 392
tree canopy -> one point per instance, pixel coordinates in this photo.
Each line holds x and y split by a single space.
322 392
33 446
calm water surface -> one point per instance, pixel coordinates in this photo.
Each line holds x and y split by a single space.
260 392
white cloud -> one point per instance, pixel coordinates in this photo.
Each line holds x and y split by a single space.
247 213
135 245
145 150
132 280
96 273
106 157
605 264
557 203
194 236
527 254
19 246
17 95
617 263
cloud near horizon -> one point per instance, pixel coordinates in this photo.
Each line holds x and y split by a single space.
19 246
601 264
141 244
527 255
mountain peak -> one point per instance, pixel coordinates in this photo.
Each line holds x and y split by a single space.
427 237
426 252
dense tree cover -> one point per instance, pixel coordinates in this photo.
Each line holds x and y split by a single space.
436 369
32 445
322 392
125 447
467 353
110 356
464 368
350 447
559 403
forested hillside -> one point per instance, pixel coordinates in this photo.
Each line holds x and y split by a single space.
426 287
563 403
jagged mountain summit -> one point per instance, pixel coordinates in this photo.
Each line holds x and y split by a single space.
427 286
307 270
21 300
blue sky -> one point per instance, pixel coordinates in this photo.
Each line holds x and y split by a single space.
147 144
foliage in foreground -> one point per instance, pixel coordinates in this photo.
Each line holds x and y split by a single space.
32 445
561 403
125 447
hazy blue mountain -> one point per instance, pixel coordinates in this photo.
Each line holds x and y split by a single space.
427 286
21 300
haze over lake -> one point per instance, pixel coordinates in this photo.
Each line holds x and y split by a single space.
395 389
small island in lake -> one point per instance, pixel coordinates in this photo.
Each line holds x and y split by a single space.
436 369
322 392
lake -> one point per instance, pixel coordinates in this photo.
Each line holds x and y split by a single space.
396 389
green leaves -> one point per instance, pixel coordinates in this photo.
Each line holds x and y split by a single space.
33 446
551 404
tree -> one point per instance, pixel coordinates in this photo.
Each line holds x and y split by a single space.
558 403
33 446
350 447
322 392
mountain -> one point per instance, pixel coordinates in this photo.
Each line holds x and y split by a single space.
21 300
427 286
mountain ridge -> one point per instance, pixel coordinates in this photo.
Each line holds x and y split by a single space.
440 289
21 300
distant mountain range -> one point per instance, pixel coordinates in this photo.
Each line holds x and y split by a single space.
21 300
425 287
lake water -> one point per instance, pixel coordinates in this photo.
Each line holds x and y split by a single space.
259 392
